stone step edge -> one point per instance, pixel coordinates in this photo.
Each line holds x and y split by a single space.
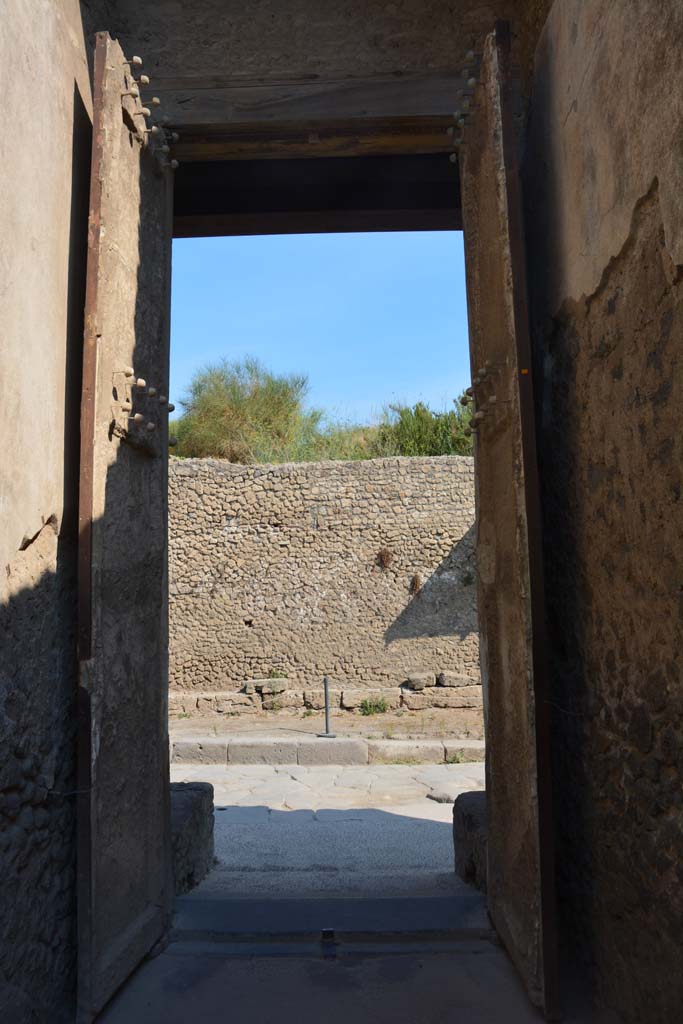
342 750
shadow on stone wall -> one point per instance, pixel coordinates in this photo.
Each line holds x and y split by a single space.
445 604
38 674
37 781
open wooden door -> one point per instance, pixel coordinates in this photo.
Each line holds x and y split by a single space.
521 890
124 874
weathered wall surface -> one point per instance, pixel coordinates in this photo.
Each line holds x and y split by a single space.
277 568
45 156
227 40
604 182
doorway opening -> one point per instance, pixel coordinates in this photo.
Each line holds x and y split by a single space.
123 505
321 514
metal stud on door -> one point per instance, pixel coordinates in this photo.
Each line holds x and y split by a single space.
124 874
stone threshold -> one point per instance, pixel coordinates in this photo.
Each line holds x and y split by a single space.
314 750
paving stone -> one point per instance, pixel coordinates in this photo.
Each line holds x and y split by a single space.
333 751
405 751
400 792
262 751
242 815
204 751
353 780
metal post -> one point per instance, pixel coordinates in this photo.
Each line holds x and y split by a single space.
327 734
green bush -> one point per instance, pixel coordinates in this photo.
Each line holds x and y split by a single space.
416 430
242 412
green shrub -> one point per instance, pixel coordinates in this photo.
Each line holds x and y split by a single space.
242 412
417 430
373 706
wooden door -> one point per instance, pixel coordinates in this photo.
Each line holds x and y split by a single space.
124 876
521 889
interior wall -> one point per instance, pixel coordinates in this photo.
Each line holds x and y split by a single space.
603 178
45 156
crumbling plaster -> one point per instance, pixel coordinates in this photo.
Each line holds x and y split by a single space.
605 122
604 209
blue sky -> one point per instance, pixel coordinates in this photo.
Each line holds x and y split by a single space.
370 318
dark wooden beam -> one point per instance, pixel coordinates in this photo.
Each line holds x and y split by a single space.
312 222
196 102
357 137
379 193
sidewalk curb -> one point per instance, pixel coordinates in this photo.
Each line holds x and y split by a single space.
316 751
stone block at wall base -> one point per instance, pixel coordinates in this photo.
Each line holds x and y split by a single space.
470 836
282 700
454 679
443 697
353 699
237 704
315 699
420 680
191 833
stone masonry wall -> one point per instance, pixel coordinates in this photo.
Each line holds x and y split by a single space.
361 571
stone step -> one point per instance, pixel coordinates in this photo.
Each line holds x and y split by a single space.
225 919
313 750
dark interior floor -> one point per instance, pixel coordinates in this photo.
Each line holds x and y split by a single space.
356 961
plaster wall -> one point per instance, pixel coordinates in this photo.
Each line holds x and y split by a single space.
604 216
362 571
45 156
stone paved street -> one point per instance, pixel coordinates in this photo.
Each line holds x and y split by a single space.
370 830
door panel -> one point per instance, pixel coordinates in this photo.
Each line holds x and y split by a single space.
124 876
510 578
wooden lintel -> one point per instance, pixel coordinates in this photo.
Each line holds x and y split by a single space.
194 102
355 137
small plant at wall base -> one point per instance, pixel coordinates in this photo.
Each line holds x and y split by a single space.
373 706
276 673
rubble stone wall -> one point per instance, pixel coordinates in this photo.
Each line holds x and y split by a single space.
361 571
